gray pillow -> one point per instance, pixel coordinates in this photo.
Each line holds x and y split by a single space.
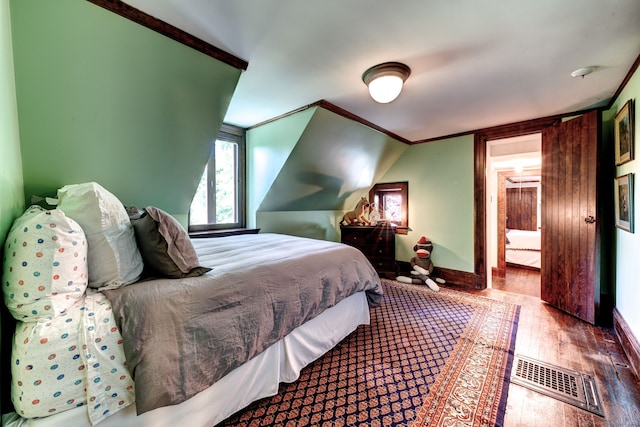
180 261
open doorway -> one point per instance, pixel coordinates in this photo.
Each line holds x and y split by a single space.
514 201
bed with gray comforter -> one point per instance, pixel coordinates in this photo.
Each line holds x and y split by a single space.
182 335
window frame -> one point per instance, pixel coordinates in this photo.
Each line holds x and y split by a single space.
400 188
237 135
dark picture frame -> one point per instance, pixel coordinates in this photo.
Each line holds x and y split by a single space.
623 136
624 202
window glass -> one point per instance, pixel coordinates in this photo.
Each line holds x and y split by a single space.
198 210
219 199
392 201
392 207
226 171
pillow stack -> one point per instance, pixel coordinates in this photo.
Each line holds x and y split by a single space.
51 256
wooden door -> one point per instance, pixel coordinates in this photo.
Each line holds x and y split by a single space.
522 208
570 227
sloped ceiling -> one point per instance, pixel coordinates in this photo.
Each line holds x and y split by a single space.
475 64
334 163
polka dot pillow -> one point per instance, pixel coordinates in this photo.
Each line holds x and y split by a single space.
74 359
45 264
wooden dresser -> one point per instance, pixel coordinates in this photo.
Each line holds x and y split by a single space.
377 243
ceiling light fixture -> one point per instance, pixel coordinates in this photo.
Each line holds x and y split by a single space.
385 80
581 72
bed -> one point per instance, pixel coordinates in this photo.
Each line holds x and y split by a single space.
522 248
160 351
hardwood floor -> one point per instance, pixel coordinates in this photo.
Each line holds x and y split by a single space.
519 280
551 336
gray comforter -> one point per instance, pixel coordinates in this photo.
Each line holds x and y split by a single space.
182 335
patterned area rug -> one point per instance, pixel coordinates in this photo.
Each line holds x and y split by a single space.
427 359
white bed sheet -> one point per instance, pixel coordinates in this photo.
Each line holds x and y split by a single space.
526 258
523 239
258 378
523 248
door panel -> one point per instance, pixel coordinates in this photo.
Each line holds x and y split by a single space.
569 236
522 208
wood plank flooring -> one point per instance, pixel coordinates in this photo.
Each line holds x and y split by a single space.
519 280
551 336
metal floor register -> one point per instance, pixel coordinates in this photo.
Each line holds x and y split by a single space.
569 386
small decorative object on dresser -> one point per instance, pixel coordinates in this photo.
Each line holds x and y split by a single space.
377 243
357 216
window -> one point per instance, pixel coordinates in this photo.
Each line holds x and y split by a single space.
392 200
219 199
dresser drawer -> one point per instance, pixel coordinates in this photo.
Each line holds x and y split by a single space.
383 265
355 239
378 244
381 251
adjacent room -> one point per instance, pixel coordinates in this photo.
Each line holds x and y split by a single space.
287 213
515 225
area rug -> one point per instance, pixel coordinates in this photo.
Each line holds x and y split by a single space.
427 359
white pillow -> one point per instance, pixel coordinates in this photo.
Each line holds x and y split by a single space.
45 264
113 257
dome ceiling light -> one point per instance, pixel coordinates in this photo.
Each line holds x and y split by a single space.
581 72
385 80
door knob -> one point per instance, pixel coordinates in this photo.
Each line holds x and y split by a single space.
590 219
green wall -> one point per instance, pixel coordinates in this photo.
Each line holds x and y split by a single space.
335 162
101 98
11 186
268 148
307 169
440 176
315 224
627 245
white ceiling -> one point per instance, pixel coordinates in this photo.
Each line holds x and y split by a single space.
475 64
523 151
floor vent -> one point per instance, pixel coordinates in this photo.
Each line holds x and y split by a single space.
569 386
